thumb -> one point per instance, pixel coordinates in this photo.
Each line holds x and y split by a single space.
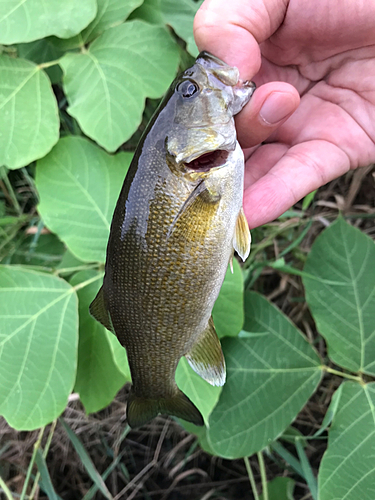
233 30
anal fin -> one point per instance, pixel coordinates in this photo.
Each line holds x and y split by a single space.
242 237
206 358
99 311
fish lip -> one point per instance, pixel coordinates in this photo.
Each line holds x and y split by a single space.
180 158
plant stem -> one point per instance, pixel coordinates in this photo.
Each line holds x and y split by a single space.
251 478
31 464
7 184
84 267
342 374
87 282
263 475
48 444
49 63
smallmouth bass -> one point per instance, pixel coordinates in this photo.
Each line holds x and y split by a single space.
175 227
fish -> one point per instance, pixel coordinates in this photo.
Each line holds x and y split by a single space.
176 225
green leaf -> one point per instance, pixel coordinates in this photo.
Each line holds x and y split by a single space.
28 20
29 122
341 294
228 311
69 264
331 412
108 84
308 199
110 13
42 51
270 376
78 185
149 11
181 18
202 394
200 433
46 250
98 378
280 488
119 356
38 346
347 470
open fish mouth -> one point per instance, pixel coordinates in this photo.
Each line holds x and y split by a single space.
208 161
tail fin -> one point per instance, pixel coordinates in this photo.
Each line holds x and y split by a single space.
141 410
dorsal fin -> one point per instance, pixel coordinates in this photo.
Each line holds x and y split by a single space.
99 311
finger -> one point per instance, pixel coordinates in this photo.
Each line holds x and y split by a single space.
301 170
261 161
233 30
270 106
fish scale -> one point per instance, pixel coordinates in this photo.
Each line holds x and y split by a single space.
173 233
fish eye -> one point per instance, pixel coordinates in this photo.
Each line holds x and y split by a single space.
187 88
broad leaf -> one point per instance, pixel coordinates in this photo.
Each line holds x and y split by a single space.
28 20
202 394
149 11
271 372
341 294
201 434
43 250
119 356
29 122
181 18
347 469
38 346
42 51
98 378
70 264
78 184
280 488
228 311
110 13
107 85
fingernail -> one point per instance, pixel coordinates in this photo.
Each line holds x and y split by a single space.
276 107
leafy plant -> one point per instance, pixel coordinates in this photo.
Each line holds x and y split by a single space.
93 81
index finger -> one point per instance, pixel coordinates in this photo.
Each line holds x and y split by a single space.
233 30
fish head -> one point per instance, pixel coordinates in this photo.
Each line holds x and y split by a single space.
204 100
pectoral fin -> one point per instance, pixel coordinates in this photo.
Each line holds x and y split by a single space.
206 358
242 237
200 195
99 311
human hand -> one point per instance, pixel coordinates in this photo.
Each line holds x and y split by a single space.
322 51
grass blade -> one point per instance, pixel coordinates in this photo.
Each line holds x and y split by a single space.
45 477
6 490
308 473
86 461
288 457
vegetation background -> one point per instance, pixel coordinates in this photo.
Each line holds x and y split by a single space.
296 418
